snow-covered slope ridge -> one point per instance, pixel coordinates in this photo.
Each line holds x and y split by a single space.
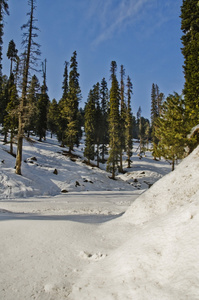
172 191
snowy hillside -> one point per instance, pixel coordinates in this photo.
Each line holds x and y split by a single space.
66 236
47 172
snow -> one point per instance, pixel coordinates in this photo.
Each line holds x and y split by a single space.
80 235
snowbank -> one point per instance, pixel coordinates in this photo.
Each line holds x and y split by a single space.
174 190
157 250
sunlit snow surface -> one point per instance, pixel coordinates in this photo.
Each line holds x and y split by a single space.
80 235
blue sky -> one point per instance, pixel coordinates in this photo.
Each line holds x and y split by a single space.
143 35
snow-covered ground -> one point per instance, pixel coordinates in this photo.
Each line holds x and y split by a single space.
78 234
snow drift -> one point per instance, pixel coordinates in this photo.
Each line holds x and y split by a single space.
157 258
47 252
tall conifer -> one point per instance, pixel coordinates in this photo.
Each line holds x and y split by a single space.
170 129
71 108
129 122
190 50
89 127
122 117
114 122
104 117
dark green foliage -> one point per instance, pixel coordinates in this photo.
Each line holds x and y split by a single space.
52 116
72 102
12 53
122 117
4 98
4 8
33 94
129 123
114 122
42 108
156 102
89 127
170 129
62 117
104 138
11 118
190 51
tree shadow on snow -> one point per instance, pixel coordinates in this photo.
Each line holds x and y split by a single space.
88 219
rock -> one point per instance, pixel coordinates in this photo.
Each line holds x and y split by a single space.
64 191
34 158
55 172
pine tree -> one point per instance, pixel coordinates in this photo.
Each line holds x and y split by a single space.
190 51
52 117
71 108
89 127
4 9
104 118
170 129
122 117
33 92
98 119
12 53
11 119
4 103
31 49
114 122
156 102
42 107
129 123
62 117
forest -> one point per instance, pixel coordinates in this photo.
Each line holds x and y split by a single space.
107 120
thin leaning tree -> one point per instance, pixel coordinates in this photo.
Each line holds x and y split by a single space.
29 57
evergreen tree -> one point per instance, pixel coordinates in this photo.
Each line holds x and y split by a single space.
156 102
122 117
71 108
4 9
33 93
104 118
170 129
62 117
89 127
12 53
98 119
11 118
114 122
190 51
42 107
52 117
29 58
129 123
4 103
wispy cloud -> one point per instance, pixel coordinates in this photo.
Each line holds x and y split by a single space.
111 17
114 15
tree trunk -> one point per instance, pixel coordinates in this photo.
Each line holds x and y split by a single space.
11 142
19 149
173 164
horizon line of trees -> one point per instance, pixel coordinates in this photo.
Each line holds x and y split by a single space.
107 118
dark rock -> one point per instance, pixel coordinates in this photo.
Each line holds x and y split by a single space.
55 172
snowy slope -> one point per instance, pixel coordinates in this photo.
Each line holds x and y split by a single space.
80 245
158 258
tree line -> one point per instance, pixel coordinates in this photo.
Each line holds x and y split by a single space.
107 117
